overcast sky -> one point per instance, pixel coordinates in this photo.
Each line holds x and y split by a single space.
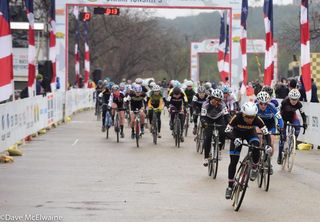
173 13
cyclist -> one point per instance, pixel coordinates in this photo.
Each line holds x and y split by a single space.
189 93
99 89
213 111
269 114
229 99
273 100
208 87
116 101
288 109
136 100
177 100
122 87
104 96
155 100
242 127
197 101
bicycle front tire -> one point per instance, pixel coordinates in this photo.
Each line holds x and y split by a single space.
241 185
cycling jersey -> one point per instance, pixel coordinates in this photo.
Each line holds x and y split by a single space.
189 93
178 102
155 101
268 116
230 101
136 101
197 102
118 99
288 111
209 113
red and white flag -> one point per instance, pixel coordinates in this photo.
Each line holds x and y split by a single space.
52 43
243 40
226 63
305 48
268 25
86 54
76 46
222 46
31 50
6 59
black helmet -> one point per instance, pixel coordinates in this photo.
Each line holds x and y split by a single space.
176 91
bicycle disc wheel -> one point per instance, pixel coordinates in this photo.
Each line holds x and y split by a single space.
266 174
215 160
291 152
240 188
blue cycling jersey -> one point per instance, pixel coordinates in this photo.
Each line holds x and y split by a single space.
269 115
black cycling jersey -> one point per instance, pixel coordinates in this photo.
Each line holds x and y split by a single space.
288 111
210 113
178 102
197 102
136 101
189 93
117 98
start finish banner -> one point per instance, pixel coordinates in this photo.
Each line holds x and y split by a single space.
24 117
64 6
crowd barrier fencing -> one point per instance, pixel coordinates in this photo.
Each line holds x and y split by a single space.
25 117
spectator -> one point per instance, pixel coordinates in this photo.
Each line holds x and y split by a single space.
292 84
282 90
314 95
58 83
302 91
39 88
80 83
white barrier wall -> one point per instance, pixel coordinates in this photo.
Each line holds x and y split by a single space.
312 134
24 117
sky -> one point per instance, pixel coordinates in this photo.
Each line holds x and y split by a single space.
173 13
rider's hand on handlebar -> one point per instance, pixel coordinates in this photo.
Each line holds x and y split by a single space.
268 149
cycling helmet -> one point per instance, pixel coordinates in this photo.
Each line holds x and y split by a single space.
137 88
152 84
100 82
138 80
189 83
249 109
122 85
156 88
115 87
225 89
201 89
267 89
207 85
176 83
263 97
176 91
217 93
294 94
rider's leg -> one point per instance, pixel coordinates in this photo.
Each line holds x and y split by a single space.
234 159
159 121
207 141
296 122
121 115
150 113
281 143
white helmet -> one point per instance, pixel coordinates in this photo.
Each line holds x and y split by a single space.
263 97
152 84
138 80
156 88
189 83
217 93
294 94
208 85
249 109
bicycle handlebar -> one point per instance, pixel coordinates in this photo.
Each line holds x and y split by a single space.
295 125
252 146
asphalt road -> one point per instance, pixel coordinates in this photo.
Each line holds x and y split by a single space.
74 172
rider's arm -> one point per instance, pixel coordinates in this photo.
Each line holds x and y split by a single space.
110 100
277 115
303 115
259 122
229 129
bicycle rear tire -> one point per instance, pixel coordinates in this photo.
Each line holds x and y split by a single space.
186 125
260 177
107 133
155 128
178 132
117 127
239 190
137 129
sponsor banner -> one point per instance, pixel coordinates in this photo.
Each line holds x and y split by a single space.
21 118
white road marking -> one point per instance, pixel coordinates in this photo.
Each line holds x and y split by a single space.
75 142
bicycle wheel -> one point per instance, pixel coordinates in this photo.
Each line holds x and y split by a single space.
266 173
215 157
198 140
261 171
186 125
98 113
178 132
241 184
107 132
201 141
154 128
137 129
117 126
291 152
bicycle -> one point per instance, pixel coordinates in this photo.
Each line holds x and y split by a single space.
154 125
177 131
199 138
213 161
137 125
98 109
289 151
242 178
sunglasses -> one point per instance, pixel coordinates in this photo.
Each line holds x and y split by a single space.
263 104
249 117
